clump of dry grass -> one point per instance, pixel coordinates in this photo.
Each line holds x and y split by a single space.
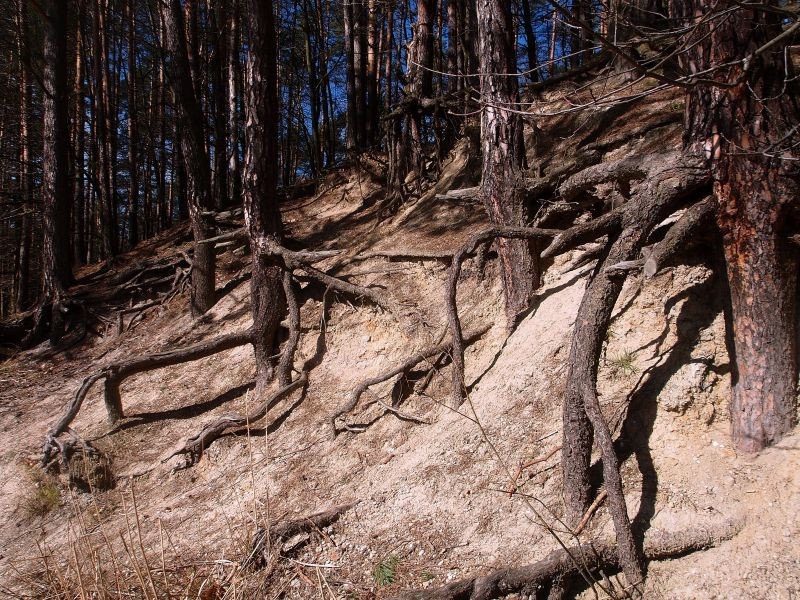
43 494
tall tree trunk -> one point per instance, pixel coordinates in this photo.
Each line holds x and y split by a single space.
530 41
22 291
310 53
220 24
501 134
79 147
748 133
234 87
102 165
56 195
360 65
373 36
260 184
133 131
197 167
351 137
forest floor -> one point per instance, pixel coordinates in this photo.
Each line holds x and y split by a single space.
432 485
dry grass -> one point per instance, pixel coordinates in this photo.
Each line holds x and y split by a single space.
43 494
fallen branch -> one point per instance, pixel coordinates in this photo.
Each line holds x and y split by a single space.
584 558
265 538
452 285
403 367
115 373
195 445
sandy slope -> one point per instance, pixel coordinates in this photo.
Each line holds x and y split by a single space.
433 499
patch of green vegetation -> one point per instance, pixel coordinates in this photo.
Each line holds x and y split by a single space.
44 494
385 572
623 364
427 576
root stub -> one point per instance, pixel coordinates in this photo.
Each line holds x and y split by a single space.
585 559
265 538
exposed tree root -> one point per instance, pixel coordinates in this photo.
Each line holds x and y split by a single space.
195 445
678 238
264 539
287 357
452 284
667 186
585 559
403 367
135 311
115 373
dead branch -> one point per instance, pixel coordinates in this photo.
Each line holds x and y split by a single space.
679 237
403 367
265 538
584 558
195 445
452 285
287 357
590 511
470 193
135 310
513 487
358 292
667 186
229 236
583 233
115 373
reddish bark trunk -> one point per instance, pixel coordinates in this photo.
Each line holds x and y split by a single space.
747 130
501 135
260 185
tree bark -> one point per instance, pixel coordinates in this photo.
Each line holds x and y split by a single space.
56 195
133 131
21 293
196 158
219 24
747 131
503 154
260 186
103 168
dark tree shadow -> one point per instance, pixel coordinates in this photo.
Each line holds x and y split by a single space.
703 304
697 314
184 412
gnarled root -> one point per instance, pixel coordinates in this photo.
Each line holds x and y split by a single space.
585 560
265 539
115 373
403 367
196 444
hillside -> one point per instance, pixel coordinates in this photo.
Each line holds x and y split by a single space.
438 494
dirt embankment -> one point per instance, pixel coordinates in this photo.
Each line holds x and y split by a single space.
433 486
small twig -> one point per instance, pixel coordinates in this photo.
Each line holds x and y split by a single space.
590 511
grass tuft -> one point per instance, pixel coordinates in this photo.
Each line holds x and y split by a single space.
44 494
385 572
623 364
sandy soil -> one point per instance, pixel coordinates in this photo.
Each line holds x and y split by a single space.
432 490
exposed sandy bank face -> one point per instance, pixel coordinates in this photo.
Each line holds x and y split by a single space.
433 489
